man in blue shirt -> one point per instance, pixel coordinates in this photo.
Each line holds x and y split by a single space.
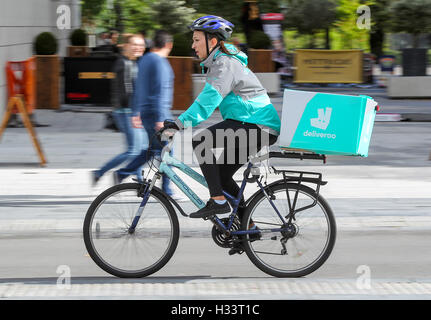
152 100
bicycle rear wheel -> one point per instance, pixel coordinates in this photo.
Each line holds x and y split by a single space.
298 248
124 254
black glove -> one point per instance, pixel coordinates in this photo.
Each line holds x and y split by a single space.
170 124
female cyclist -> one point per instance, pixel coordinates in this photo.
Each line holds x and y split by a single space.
248 115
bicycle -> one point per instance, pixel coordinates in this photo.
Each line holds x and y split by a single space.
295 232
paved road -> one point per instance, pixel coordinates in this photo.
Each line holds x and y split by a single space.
200 270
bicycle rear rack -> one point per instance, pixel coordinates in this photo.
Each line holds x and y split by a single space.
300 177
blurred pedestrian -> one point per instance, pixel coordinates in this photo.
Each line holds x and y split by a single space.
126 71
109 42
118 48
121 42
103 39
153 100
114 35
148 41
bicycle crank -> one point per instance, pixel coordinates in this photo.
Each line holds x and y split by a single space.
223 238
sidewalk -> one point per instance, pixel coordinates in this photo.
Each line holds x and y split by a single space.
242 289
78 139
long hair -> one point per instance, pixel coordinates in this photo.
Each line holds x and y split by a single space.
221 44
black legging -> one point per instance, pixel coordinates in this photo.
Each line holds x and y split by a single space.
248 141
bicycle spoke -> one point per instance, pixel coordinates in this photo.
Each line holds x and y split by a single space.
263 252
267 223
123 253
298 247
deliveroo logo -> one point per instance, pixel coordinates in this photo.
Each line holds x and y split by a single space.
322 121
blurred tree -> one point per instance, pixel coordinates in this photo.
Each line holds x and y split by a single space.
411 16
139 15
380 17
118 9
173 15
182 45
310 17
230 10
91 8
270 6
106 18
351 36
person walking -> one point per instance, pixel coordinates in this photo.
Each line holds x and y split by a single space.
126 71
153 100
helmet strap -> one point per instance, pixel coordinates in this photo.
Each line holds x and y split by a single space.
206 42
208 48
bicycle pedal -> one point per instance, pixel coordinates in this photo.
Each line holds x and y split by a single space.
235 250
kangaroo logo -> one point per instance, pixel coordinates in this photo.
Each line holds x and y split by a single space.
322 121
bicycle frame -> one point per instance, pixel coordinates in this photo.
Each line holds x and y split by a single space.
165 168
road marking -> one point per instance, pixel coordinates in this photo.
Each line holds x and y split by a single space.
388 117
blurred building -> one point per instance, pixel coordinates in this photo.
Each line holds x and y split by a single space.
22 20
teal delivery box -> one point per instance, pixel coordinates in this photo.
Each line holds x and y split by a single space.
327 123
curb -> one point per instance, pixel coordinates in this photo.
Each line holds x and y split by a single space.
416 117
388 117
408 117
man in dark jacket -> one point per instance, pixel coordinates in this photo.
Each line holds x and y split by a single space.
126 70
153 99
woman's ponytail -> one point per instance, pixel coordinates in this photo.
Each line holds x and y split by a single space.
225 50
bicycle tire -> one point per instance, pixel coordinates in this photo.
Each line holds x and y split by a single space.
249 246
90 230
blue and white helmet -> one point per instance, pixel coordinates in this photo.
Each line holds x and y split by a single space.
214 25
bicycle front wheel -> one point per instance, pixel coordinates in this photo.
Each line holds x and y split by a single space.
119 252
295 248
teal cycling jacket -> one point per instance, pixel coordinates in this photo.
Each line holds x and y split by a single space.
233 88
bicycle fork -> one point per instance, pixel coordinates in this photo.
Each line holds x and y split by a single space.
146 193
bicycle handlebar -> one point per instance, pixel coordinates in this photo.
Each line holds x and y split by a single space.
159 134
